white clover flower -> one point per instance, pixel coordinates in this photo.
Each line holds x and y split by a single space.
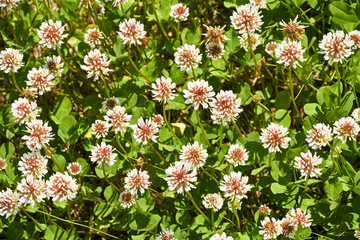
97 64
225 107
180 177
132 32
24 111
187 57
51 34
40 80
237 155
62 187
179 12
336 46
307 165
102 154
246 19
198 93
137 181
54 65
235 186
10 60
254 40
274 137
163 89
270 229
290 53
194 154
346 128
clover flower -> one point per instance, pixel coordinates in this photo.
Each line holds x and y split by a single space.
235 186
214 51
102 154
319 136
74 168
225 107
33 164
163 89
246 19
127 199
180 177
2 163
213 201
97 64
356 114
194 154
307 165
24 111
31 190
254 41
62 187
118 119
117 2
110 103
40 134
271 47
198 92
357 233
355 37
289 53
100 128
215 35
293 30
8 3
144 131
187 57
179 12
223 236
274 137
40 80
51 34
264 210
288 227
237 155
54 65
270 229
9 203
137 181
258 3
10 60
336 46
93 36
346 128
132 32
298 217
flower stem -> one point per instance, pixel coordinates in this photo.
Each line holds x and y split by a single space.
168 124
212 220
193 72
356 147
202 128
205 68
106 88
211 176
157 153
158 21
237 219
339 81
237 128
15 83
270 155
32 219
123 10
199 210
49 218
106 179
120 145
66 63
291 87
136 68
50 153
75 223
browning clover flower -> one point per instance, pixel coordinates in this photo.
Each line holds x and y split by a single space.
31 190
62 187
215 35
110 103
117 2
97 64
163 89
118 119
181 177
9 202
237 155
144 131
288 227
258 3
11 60
102 154
213 201
225 107
93 36
199 92
8 3
159 120
290 53
307 165
137 181
54 65
33 164
194 155
293 30
235 186
74 168
179 12
299 217
264 210
40 80
355 37
214 51
246 19
100 128
346 128
40 134
356 114
357 233
187 57
336 46
319 136
271 47
274 137
2 163
127 199
51 34
24 111
132 32
270 229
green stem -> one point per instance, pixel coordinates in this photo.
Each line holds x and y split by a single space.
291 87
306 183
237 219
205 68
120 145
178 31
199 210
157 153
237 128
106 179
212 219
333 159
193 72
339 81
32 219
66 63
49 218
136 68
51 154
158 21
211 176
202 128
356 147
75 223
270 155
15 83
123 10
168 124
106 88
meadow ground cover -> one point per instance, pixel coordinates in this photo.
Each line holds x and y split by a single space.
159 119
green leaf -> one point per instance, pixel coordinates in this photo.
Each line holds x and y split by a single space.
61 161
177 103
103 209
282 117
333 188
313 109
144 223
326 97
233 44
191 35
62 109
343 14
277 188
110 194
280 171
15 231
283 100
7 149
67 126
